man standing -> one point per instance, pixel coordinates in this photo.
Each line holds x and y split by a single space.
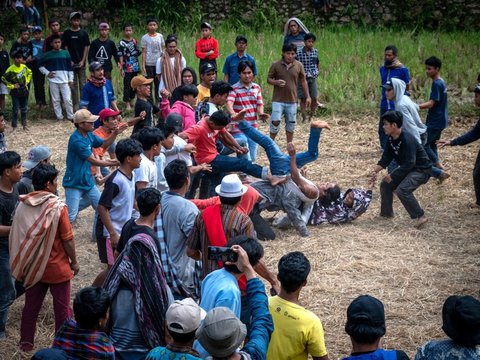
414 169
230 68
285 76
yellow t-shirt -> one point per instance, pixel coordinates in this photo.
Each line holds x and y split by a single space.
297 332
203 92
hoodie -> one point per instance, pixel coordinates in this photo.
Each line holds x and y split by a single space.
411 119
182 108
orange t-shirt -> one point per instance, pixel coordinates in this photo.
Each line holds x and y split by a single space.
100 151
58 267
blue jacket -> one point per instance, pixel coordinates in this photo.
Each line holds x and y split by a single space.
388 73
96 99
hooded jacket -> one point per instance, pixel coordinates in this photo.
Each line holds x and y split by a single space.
412 122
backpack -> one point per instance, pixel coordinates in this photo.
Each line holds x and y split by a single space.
202 109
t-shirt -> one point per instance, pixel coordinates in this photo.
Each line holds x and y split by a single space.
153 46
25 48
75 42
103 51
77 173
8 201
147 172
118 196
437 116
203 92
204 138
230 67
163 353
160 162
128 49
178 143
380 354
102 134
150 108
298 332
4 61
130 229
37 49
249 98
292 76
58 266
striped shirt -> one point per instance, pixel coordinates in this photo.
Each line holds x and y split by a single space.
234 224
249 98
309 60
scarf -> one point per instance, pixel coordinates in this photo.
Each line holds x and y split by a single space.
172 77
302 27
395 64
140 269
96 81
32 235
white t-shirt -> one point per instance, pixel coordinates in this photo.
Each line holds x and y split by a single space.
153 46
176 153
147 172
159 70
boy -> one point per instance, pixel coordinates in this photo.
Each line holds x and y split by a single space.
151 140
230 68
208 74
37 155
170 65
285 75
3 140
308 56
128 51
37 76
160 160
185 107
17 77
298 331
206 48
10 174
141 86
116 202
23 45
76 42
437 115
152 48
4 64
54 26
57 66
103 49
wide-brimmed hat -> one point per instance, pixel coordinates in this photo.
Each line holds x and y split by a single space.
35 155
184 316
461 320
231 187
221 332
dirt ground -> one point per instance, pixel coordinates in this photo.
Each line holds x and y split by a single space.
411 271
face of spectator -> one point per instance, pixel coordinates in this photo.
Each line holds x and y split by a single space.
220 100
86 126
246 76
294 28
98 73
390 94
19 60
206 32
187 78
56 44
2 40
52 186
168 142
16 172
103 33
209 77
144 90
389 56
309 44
128 31
477 99
172 48
241 46
190 100
389 128
135 161
152 27
110 123
289 56
37 35
55 28
431 71
25 36
75 22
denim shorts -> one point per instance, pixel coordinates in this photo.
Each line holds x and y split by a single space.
289 110
312 88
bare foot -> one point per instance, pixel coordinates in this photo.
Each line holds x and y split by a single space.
443 176
277 180
291 149
320 124
422 220
474 206
440 166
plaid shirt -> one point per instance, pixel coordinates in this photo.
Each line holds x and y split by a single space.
81 343
309 60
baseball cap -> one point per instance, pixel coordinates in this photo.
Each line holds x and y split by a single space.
175 121
207 67
366 310
94 65
139 80
205 24
184 316
83 115
37 29
477 89
35 155
105 113
388 85
74 14
103 25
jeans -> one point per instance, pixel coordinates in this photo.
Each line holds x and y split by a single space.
243 142
252 149
476 179
280 162
77 200
31 16
405 193
57 93
223 163
19 104
381 133
79 79
431 147
290 112
7 293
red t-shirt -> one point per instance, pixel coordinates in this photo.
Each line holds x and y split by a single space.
204 138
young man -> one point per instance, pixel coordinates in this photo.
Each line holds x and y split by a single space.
208 74
366 326
10 174
3 140
4 65
76 42
146 175
24 45
414 169
182 320
53 262
286 75
298 331
152 48
170 65
37 76
230 67
437 116
142 87
57 66
166 143
391 68
37 155
246 94
467 138
103 49
129 54
54 26
206 48
308 56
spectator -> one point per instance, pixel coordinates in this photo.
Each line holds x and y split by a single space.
208 74
3 139
206 48
170 65
102 50
4 65
37 155
294 32
144 104
54 262
23 45
54 26
152 48
129 53
146 175
37 76
189 77
230 67
185 105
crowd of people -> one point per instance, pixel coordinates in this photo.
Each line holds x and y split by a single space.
178 221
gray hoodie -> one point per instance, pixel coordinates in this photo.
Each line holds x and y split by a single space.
412 122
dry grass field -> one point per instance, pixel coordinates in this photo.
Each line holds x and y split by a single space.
412 271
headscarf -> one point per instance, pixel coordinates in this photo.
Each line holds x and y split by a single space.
286 28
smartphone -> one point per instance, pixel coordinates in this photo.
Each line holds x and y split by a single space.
218 253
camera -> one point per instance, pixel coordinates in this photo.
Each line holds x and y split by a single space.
218 253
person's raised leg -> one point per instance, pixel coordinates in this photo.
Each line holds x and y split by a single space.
311 154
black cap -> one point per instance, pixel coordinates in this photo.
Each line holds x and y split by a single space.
461 320
95 65
388 85
175 121
477 89
207 67
366 310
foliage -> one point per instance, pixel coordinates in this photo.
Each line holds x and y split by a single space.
10 23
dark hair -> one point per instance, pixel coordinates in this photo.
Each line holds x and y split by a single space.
331 194
166 130
24 29
309 36
242 65
220 118
149 136
53 21
147 200
289 47
364 333
251 246
220 87
127 147
152 19
89 306
293 270
182 338
230 200
2 36
434 61
188 90
170 38
55 37
240 38
391 48
17 54
393 117
127 25
42 174
194 74
1 112
8 160
176 173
